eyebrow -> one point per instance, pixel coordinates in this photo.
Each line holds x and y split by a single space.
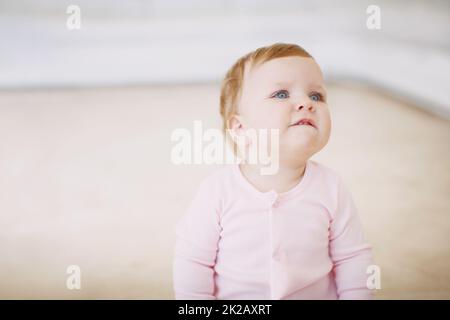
318 87
282 83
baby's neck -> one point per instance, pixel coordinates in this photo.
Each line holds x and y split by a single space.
284 180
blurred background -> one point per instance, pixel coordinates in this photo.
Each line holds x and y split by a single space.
86 117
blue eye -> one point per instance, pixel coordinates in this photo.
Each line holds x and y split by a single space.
316 96
282 94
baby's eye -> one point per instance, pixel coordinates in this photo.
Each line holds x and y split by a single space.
315 96
282 94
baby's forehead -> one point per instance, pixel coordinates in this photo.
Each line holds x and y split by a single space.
283 71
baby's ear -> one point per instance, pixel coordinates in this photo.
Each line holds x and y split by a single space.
237 130
235 124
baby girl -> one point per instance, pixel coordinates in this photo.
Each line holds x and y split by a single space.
294 234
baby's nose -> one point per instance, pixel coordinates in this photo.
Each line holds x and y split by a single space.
302 106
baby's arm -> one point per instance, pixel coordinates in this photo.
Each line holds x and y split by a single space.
197 234
350 253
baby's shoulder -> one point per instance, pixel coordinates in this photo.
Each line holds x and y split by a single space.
330 182
323 173
218 180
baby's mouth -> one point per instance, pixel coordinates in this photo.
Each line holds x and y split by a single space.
305 122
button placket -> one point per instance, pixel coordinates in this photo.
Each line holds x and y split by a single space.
271 256
274 249
273 200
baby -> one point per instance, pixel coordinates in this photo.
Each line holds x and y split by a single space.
294 234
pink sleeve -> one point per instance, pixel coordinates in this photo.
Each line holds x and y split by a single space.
350 253
197 236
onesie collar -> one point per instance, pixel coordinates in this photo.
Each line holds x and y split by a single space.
272 196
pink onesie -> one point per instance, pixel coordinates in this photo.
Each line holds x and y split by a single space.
235 242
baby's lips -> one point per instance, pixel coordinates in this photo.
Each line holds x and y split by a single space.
305 121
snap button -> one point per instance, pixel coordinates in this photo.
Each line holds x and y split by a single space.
273 198
276 255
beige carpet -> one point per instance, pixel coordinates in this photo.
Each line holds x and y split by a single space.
86 179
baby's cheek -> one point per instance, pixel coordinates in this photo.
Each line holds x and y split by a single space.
280 117
325 118
269 116
325 128
271 120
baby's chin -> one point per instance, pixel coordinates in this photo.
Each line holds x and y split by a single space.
300 145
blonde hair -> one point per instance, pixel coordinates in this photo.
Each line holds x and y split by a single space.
231 87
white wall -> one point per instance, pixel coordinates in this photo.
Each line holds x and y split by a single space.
148 42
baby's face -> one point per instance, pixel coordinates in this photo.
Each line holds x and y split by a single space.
281 92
